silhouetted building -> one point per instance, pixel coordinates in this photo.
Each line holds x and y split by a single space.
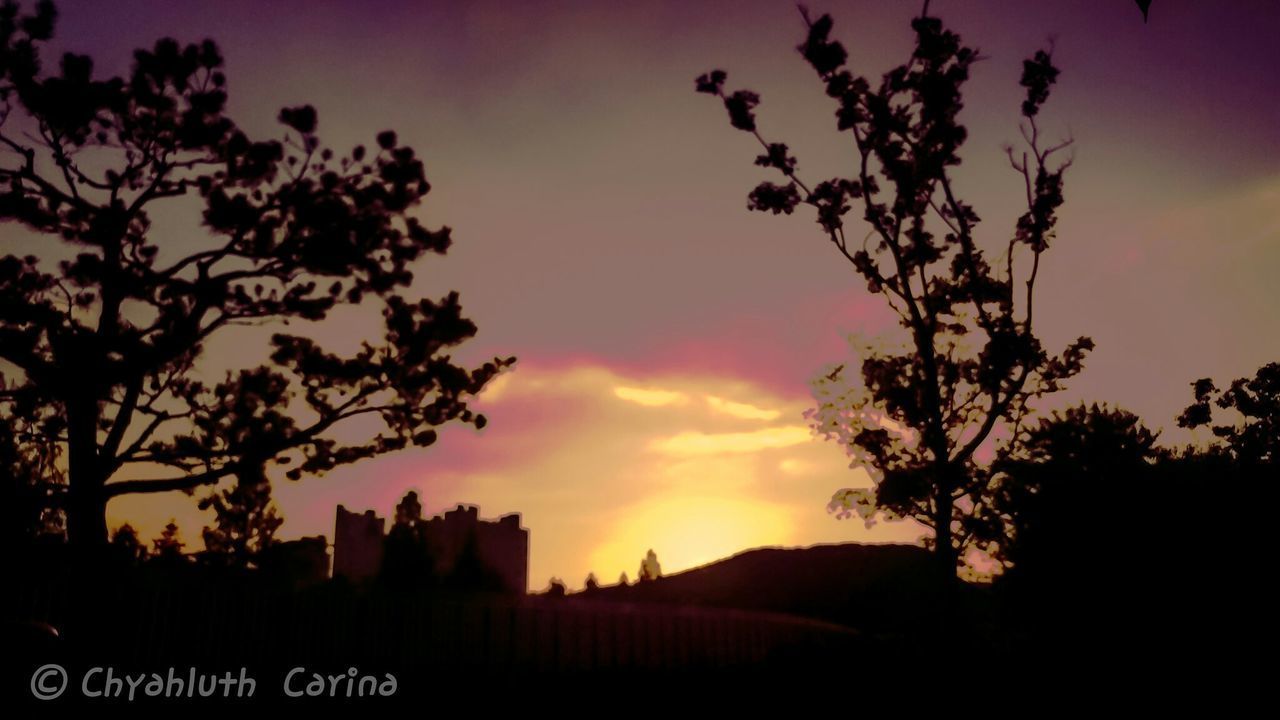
500 548
357 544
300 562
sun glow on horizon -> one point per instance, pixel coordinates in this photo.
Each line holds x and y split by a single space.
603 466
689 531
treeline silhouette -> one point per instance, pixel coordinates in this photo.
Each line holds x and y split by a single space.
1125 551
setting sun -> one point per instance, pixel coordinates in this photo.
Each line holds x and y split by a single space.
686 532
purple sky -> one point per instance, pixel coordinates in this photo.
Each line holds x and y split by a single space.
601 233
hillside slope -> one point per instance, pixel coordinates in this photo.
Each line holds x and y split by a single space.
873 587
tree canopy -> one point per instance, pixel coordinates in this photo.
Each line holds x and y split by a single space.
972 363
103 328
1254 437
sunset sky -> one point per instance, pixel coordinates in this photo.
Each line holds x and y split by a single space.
666 336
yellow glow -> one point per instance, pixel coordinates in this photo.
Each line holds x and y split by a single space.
741 410
649 398
496 388
598 483
793 466
687 532
698 443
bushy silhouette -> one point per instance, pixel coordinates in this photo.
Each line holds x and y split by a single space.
246 523
102 333
168 547
1071 519
555 588
31 480
972 361
409 510
1253 440
1040 502
128 549
1107 544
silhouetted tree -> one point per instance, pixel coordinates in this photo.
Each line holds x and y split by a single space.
591 584
1253 440
973 362
1233 479
31 482
555 588
409 510
1076 478
101 334
650 569
623 580
1106 545
168 548
128 548
246 523
407 562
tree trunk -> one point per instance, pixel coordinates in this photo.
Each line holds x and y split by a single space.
947 617
943 505
87 519
87 501
943 549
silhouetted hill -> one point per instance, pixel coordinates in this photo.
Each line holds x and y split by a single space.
872 587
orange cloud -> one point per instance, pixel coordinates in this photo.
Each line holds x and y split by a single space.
649 398
698 443
742 410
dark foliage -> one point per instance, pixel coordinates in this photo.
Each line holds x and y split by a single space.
246 523
102 332
973 361
127 549
1254 439
167 549
555 588
1115 544
1040 501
